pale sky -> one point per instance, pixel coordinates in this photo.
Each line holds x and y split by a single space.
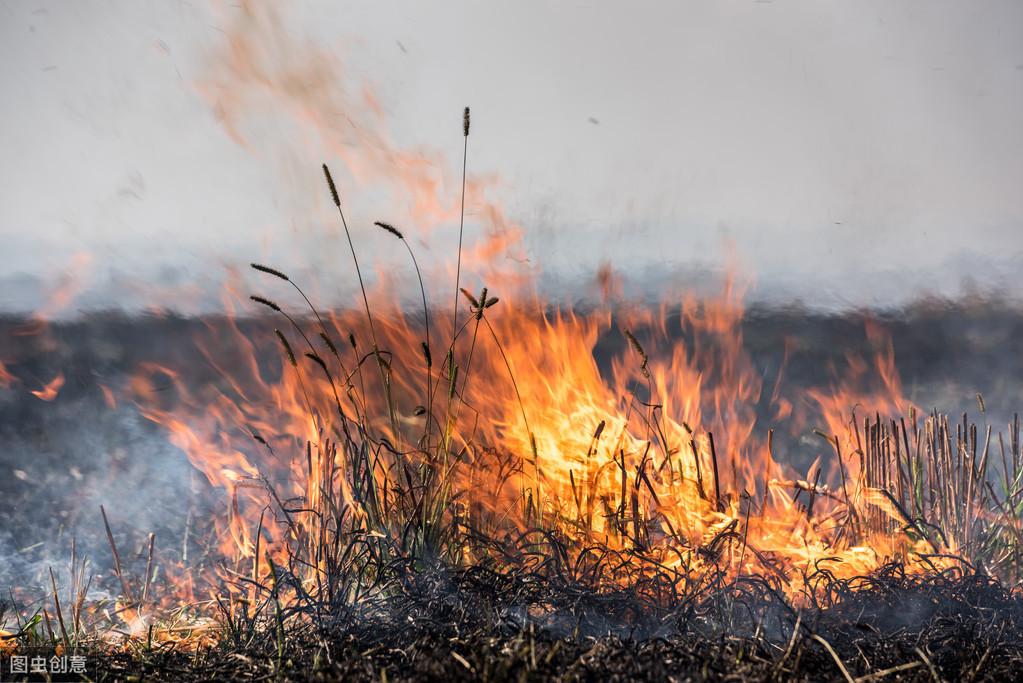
845 153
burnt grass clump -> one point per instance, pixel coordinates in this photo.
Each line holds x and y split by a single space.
477 624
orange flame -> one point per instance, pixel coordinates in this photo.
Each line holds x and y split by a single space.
658 449
50 389
6 378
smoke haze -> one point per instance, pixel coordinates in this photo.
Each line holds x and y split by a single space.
845 154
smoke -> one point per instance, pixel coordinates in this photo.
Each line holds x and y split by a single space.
83 448
855 155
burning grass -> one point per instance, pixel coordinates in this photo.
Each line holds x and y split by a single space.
505 505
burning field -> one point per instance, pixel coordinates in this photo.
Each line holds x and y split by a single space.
451 464
513 488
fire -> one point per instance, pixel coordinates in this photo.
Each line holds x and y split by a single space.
6 378
8 644
50 389
620 427
624 430
624 427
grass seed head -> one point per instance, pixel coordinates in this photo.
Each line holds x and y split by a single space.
271 271
389 228
333 188
480 303
316 359
642 354
287 348
470 297
266 302
328 342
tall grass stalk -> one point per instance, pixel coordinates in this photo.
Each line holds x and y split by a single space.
426 317
461 226
384 368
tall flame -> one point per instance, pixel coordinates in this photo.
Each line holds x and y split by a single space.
654 449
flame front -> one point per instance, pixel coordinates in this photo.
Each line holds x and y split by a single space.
625 429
